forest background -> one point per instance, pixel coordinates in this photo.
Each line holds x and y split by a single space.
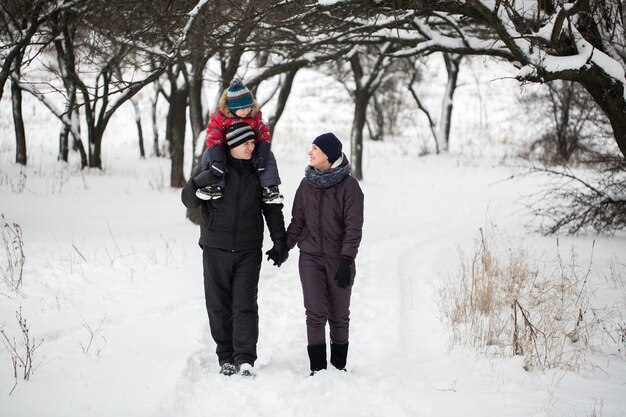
396 71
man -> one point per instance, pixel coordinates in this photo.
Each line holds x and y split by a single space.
231 237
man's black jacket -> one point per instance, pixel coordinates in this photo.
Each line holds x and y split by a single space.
235 221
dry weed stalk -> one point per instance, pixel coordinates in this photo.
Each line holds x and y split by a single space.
13 255
503 303
94 337
21 357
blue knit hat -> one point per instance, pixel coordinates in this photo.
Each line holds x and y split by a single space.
330 145
238 133
238 96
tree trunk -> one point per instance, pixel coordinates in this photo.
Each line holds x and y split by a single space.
360 114
94 139
177 122
452 62
197 117
142 152
377 133
283 96
64 143
610 97
64 45
18 121
565 147
65 128
77 143
95 148
155 125
198 125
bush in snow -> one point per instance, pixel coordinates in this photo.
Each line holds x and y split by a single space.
569 123
504 303
592 197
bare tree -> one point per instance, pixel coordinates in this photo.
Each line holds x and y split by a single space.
285 85
440 128
362 72
581 41
576 124
367 79
64 26
117 37
20 21
20 25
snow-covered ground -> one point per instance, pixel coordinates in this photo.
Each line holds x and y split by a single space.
113 284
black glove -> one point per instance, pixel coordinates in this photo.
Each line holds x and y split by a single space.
203 179
344 273
279 252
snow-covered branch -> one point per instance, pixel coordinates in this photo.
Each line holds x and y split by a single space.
45 100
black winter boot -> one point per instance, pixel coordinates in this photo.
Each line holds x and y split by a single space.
339 355
317 357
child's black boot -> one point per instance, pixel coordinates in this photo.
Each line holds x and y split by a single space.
272 195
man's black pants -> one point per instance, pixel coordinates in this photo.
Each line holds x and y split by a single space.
231 281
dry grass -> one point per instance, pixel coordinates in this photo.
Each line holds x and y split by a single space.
503 302
22 354
12 256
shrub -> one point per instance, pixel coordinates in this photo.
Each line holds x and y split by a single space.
502 302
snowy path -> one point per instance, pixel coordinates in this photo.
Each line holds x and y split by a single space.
399 362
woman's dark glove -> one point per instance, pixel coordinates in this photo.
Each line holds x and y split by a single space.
279 252
344 273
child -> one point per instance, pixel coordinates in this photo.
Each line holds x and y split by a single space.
237 105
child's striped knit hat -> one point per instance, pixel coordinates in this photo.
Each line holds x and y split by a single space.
238 96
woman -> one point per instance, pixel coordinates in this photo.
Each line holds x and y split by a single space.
326 223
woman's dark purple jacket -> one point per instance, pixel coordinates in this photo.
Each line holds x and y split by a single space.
327 221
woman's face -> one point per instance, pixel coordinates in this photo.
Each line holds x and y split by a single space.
318 159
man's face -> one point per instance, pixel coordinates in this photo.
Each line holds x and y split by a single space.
243 151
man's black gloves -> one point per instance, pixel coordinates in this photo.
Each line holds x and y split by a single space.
203 179
279 252
344 273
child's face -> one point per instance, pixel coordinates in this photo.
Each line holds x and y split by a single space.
243 112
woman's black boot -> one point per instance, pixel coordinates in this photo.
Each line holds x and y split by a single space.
339 355
317 357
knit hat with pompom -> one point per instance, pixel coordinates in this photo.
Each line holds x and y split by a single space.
238 96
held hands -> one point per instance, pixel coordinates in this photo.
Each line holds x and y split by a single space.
344 273
279 252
